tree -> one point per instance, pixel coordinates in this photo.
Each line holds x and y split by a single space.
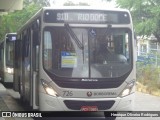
70 3
40 3
83 4
145 14
13 21
107 0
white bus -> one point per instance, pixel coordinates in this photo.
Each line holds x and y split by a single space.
6 58
76 59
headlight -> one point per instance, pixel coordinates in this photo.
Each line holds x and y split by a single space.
49 90
128 89
9 70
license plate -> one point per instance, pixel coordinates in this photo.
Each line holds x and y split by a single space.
89 108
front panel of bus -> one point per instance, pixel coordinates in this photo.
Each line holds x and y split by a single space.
87 60
2 60
8 58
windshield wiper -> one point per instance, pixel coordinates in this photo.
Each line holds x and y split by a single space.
73 35
107 32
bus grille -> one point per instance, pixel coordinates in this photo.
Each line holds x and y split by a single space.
101 105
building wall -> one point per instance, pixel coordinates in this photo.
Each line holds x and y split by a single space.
146 46
148 50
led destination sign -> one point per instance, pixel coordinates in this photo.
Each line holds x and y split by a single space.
84 16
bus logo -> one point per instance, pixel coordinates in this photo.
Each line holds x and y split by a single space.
89 94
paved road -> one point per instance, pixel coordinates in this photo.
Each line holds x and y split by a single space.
146 102
9 100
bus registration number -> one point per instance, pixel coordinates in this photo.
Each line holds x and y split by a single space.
89 108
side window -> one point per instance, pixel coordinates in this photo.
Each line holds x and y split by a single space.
17 53
47 50
35 50
121 43
25 45
127 45
9 53
0 52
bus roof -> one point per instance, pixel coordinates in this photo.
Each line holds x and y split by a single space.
83 8
11 34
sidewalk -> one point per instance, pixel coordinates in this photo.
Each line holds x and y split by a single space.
3 106
2 89
9 101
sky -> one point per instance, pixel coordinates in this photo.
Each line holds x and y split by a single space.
90 2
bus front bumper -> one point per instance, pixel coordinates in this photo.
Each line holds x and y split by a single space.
50 103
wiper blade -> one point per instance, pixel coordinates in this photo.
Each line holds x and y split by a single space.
73 35
107 32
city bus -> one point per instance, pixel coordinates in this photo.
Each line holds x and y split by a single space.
6 58
76 59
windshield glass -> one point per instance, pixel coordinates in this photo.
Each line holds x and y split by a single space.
106 52
9 53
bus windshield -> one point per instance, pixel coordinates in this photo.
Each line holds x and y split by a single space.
104 54
9 53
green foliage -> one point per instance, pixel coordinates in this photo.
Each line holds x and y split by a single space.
40 3
107 0
70 3
146 15
13 21
149 76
